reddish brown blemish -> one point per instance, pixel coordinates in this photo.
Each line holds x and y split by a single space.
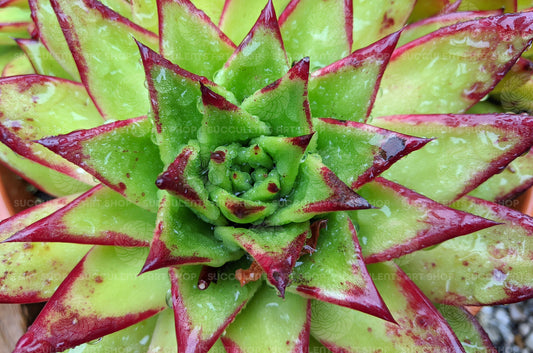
241 210
465 263
121 187
28 246
98 279
273 188
253 273
218 156
311 243
387 22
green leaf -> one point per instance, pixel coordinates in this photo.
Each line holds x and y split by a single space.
240 15
100 296
181 238
418 325
275 249
357 152
100 216
134 339
14 22
503 187
144 13
240 210
467 329
318 191
468 149
258 61
283 105
42 61
120 154
418 222
20 65
346 89
484 268
334 270
183 180
290 333
476 5
308 31
184 29
26 267
213 9
202 315
35 106
471 58
225 122
117 88
374 20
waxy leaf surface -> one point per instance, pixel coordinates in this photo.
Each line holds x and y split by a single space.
346 89
374 20
144 13
419 325
349 284
484 268
418 222
283 105
101 216
26 267
100 296
259 60
290 333
468 149
117 88
308 32
119 154
202 315
471 58
181 238
184 29
37 106
318 191
357 153
42 61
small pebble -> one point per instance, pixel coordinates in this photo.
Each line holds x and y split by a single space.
524 329
517 313
529 342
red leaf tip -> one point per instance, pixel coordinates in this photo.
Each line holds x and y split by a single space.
210 98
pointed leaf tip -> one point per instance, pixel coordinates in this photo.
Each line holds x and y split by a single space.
267 19
300 69
216 100
301 141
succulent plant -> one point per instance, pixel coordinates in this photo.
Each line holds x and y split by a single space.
229 180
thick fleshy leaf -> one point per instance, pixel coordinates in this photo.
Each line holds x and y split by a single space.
283 105
41 59
468 149
374 20
357 153
225 122
100 296
426 26
181 238
258 61
308 31
429 8
289 334
419 222
14 23
487 267
318 191
241 210
275 249
144 13
465 326
213 9
419 325
516 178
184 29
182 179
43 178
240 15
120 154
164 336
336 273
36 106
346 89
117 88
26 267
134 339
20 65
287 153
172 89
471 58
202 315
515 90
100 216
